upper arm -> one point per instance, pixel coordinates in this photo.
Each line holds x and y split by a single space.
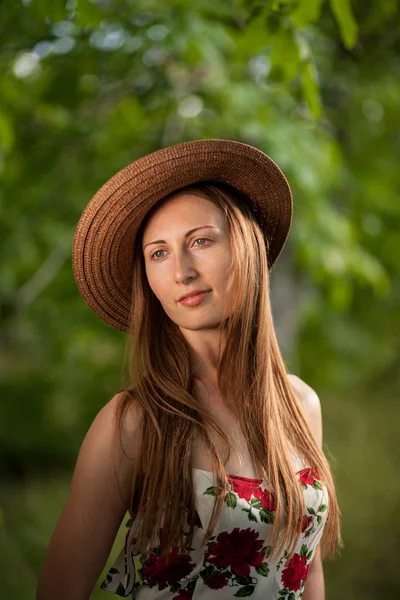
94 509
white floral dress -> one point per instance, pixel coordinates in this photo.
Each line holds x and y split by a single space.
235 561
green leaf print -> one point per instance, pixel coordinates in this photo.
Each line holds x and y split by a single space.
311 510
267 551
250 515
192 584
120 591
255 503
291 596
319 519
247 590
107 581
209 570
316 485
303 550
263 570
210 491
230 500
245 580
322 508
267 516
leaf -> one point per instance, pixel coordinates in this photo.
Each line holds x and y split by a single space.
316 485
244 580
254 37
192 584
89 14
230 500
310 88
322 508
284 55
307 12
267 516
345 19
263 570
255 502
244 591
120 591
267 551
303 550
252 517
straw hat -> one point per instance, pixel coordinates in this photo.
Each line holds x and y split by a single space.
102 251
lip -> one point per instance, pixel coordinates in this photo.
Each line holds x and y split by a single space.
194 299
191 294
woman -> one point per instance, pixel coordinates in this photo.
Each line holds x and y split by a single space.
206 219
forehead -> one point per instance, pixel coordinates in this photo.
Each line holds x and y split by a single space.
183 211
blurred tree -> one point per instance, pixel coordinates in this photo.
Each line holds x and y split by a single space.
89 86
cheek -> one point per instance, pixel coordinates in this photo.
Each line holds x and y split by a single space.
223 271
159 286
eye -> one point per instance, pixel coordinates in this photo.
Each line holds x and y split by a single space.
156 252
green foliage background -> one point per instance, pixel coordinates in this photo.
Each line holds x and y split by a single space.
86 87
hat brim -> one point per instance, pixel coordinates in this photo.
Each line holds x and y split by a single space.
102 249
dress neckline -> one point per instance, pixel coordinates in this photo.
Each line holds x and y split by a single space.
240 477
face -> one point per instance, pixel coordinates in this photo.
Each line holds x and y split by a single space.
181 263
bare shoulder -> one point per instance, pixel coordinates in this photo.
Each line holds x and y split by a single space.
304 392
310 403
127 422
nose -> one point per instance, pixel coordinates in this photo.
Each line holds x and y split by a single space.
184 269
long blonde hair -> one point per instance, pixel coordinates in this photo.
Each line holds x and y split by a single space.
250 372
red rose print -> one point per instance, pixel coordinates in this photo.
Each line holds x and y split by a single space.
308 476
294 572
267 499
244 489
167 570
247 490
238 550
307 520
216 581
183 595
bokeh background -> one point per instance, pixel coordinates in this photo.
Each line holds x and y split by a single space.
89 86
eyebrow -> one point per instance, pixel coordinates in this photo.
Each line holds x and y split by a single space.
186 235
